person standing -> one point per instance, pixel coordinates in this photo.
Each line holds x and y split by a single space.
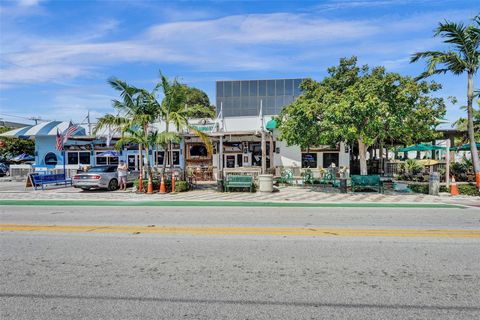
122 171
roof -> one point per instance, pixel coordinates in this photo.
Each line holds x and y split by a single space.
42 129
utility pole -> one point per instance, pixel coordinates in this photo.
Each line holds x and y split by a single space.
89 124
36 119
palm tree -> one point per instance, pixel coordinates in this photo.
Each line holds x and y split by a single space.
175 110
464 57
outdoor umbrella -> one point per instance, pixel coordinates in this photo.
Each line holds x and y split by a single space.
465 147
421 147
23 157
108 154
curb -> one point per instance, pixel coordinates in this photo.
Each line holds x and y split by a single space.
206 203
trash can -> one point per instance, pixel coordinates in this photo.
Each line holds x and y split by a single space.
220 185
434 184
343 185
265 182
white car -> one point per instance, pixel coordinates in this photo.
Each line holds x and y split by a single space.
101 177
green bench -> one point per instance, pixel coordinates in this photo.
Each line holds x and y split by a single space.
367 182
237 181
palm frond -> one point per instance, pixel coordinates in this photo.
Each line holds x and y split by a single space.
204 137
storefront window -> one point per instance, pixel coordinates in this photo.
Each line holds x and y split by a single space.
176 158
105 160
309 160
78 157
72 158
51 159
160 157
329 158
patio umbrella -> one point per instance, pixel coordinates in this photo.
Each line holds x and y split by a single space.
108 154
421 147
23 157
465 147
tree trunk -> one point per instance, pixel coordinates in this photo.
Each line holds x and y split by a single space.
165 151
471 131
140 159
149 168
362 153
380 151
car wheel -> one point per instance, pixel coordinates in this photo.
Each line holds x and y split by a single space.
113 185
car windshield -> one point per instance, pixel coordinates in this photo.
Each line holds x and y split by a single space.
102 169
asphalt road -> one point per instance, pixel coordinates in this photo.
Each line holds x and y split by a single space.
58 274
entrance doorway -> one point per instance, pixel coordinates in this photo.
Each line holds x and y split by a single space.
133 161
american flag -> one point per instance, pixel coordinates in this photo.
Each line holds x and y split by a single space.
59 144
70 130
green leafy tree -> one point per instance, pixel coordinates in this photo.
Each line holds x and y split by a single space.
11 147
198 104
463 57
362 105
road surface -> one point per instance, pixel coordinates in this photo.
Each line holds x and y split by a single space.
239 263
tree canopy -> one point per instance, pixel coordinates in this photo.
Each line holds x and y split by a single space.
362 104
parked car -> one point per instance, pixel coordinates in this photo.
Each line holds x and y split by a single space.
101 177
4 170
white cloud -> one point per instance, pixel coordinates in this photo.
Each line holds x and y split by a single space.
28 3
273 41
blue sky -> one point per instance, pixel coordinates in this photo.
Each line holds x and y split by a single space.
55 56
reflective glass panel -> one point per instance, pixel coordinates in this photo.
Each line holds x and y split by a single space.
262 88
236 89
244 89
227 89
289 87
253 88
279 84
219 89
270 87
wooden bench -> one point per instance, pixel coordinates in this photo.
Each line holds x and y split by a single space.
367 182
238 181
44 179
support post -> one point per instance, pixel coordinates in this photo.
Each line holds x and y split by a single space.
220 161
264 152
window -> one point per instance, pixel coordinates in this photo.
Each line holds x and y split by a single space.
329 158
279 85
219 89
105 160
84 157
289 87
262 88
253 88
51 159
296 87
74 157
244 88
160 157
309 160
176 158
198 150
227 89
240 160
271 88
236 89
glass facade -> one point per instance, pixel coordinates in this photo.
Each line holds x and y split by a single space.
242 98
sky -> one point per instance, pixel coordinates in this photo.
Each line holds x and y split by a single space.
56 55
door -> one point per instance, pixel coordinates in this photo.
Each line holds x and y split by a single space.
132 161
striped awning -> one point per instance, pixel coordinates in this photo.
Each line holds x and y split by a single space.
42 129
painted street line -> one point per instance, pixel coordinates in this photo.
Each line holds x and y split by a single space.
323 232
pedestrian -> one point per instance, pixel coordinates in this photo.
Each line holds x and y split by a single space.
122 171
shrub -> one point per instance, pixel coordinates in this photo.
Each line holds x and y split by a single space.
464 189
181 186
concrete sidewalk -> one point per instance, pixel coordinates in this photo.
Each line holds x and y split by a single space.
16 191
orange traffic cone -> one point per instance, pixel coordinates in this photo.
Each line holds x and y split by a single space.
173 183
477 179
454 188
162 186
150 186
140 184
